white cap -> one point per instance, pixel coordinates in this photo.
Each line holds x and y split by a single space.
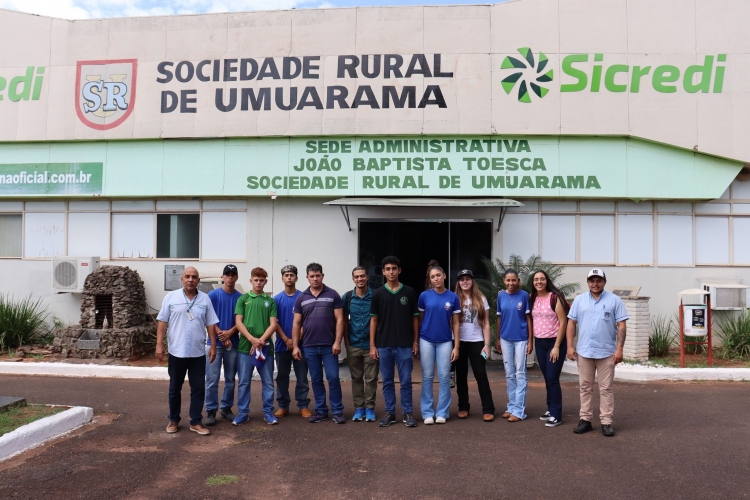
597 272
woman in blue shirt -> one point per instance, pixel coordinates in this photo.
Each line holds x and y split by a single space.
439 311
514 340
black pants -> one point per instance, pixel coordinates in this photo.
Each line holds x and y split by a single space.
471 352
551 372
195 368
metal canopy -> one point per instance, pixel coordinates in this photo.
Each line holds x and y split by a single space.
501 203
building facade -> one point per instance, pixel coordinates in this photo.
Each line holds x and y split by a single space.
618 127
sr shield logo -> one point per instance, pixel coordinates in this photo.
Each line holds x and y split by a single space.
105 92
529 74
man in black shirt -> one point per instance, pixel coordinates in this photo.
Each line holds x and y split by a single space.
394 339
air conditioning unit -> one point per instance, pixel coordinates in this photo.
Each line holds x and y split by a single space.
69 273
727 296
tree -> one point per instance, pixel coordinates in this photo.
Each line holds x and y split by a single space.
496 272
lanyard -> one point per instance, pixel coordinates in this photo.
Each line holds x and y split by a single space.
191 303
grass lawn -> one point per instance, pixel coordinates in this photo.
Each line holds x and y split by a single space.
699 361
14 418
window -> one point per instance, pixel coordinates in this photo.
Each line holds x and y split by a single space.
10 235
177 236
598 239
520 235
88 234
132 236
712 240
558 238
675 239
635 239
44 234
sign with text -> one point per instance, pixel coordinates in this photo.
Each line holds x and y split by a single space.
51 179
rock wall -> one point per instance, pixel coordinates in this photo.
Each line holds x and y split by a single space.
128 297
126 343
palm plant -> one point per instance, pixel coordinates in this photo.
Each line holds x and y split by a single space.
496 270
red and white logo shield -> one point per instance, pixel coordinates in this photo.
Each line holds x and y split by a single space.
105 92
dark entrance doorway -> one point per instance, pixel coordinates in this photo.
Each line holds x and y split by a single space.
455 244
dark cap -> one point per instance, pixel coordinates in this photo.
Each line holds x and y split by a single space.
229 269
289 269
465 272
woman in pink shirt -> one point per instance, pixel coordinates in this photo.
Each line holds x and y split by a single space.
549 317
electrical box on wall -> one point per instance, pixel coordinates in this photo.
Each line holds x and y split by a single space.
727 296
69 273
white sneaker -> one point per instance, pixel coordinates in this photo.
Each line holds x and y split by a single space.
440 420
429 421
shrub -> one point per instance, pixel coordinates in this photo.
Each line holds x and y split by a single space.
735 336
21 321
663 336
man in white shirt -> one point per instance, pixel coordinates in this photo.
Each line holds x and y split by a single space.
189 313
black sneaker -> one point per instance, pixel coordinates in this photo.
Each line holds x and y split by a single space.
210 418
608 431
409 420
583 427
318 417
387 420
553 422
226 414
546 416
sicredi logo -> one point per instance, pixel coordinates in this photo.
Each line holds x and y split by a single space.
105 92
530 75
581 76
22 87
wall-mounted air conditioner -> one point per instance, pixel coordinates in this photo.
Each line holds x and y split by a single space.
727 296
69 273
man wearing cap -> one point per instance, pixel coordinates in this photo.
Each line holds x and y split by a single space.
189 313
224 300
284 360
600 317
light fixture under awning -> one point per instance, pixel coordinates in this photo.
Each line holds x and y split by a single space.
501 203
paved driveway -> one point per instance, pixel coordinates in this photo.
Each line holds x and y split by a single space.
674 440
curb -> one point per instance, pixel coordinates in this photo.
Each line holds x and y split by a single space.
38 432
85 370
639 373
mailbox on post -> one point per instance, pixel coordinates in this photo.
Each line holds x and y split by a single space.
695 321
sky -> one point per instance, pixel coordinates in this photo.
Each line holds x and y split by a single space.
88 9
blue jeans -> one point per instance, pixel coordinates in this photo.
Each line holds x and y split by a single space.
514 361
284 364
245 375
320 358
401 357
551 373
429 355
213 372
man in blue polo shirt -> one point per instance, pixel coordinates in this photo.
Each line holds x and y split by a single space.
600 317
224 300
319 323
363 368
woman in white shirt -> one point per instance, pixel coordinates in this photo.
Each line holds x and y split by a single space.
474 346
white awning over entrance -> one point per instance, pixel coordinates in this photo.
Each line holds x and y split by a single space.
501 203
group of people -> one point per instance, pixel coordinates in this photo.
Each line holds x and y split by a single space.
383 330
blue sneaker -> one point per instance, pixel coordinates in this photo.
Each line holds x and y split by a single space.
318 417
359 415
270 419
370 415
240 419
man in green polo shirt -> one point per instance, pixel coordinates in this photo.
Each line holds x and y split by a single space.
255 316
